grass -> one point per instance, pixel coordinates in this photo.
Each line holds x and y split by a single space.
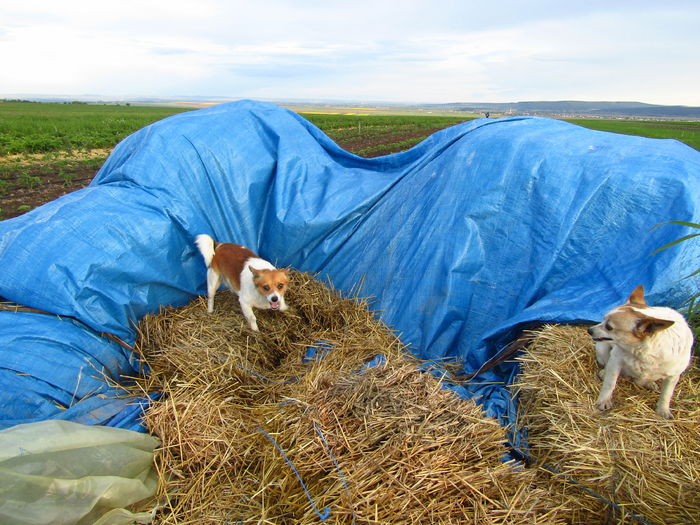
33 127
31 172
45 128
375 135
379 149
40 139
339 126
693 304
687 132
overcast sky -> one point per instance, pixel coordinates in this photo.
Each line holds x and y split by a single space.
402 51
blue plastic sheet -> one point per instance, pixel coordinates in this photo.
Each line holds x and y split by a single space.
479 230
52 368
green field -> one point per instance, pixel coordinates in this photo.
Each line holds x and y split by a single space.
688 132
32 127
344 126
374 135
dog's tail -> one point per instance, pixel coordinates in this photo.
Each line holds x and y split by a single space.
206 247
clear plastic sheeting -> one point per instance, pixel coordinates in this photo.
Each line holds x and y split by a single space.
478 231
60 472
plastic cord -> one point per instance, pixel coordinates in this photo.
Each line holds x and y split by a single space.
326 512
592 492
337 467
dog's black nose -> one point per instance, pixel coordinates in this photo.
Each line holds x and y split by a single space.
274 298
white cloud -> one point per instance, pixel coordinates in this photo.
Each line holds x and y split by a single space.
448 51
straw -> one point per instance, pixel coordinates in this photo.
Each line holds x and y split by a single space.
647 465
277 426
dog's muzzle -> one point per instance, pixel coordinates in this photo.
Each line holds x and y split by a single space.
597 338
274 302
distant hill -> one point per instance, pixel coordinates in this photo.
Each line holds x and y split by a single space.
561 108
578 108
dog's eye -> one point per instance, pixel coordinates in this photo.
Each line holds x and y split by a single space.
280 286
608 327
266 288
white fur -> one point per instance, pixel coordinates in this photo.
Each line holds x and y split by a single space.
205 244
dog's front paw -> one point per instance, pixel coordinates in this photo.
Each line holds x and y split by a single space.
254 326
664 412
604 404
650 385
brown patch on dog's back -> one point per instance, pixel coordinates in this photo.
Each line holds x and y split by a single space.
229 260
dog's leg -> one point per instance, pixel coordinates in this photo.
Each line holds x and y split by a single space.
249 315
602 353
612 372
213 283
663 406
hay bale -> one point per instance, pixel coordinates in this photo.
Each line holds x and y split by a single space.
409 450
244 419
647 465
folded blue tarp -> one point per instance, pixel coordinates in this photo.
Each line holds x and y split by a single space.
479 230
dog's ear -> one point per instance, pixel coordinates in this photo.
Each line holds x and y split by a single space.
256 273
647 326
637 296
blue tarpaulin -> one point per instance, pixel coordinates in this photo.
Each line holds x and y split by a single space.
479 230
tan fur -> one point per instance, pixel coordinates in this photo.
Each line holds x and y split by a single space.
267 281
637 296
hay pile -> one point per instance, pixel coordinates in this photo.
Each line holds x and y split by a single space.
244 419
647 465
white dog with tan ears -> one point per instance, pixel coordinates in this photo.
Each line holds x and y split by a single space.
645 344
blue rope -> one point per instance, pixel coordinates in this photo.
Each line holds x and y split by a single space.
337 467
326 512
328 449
530 459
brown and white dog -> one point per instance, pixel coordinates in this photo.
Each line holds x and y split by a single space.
256 281
645 344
